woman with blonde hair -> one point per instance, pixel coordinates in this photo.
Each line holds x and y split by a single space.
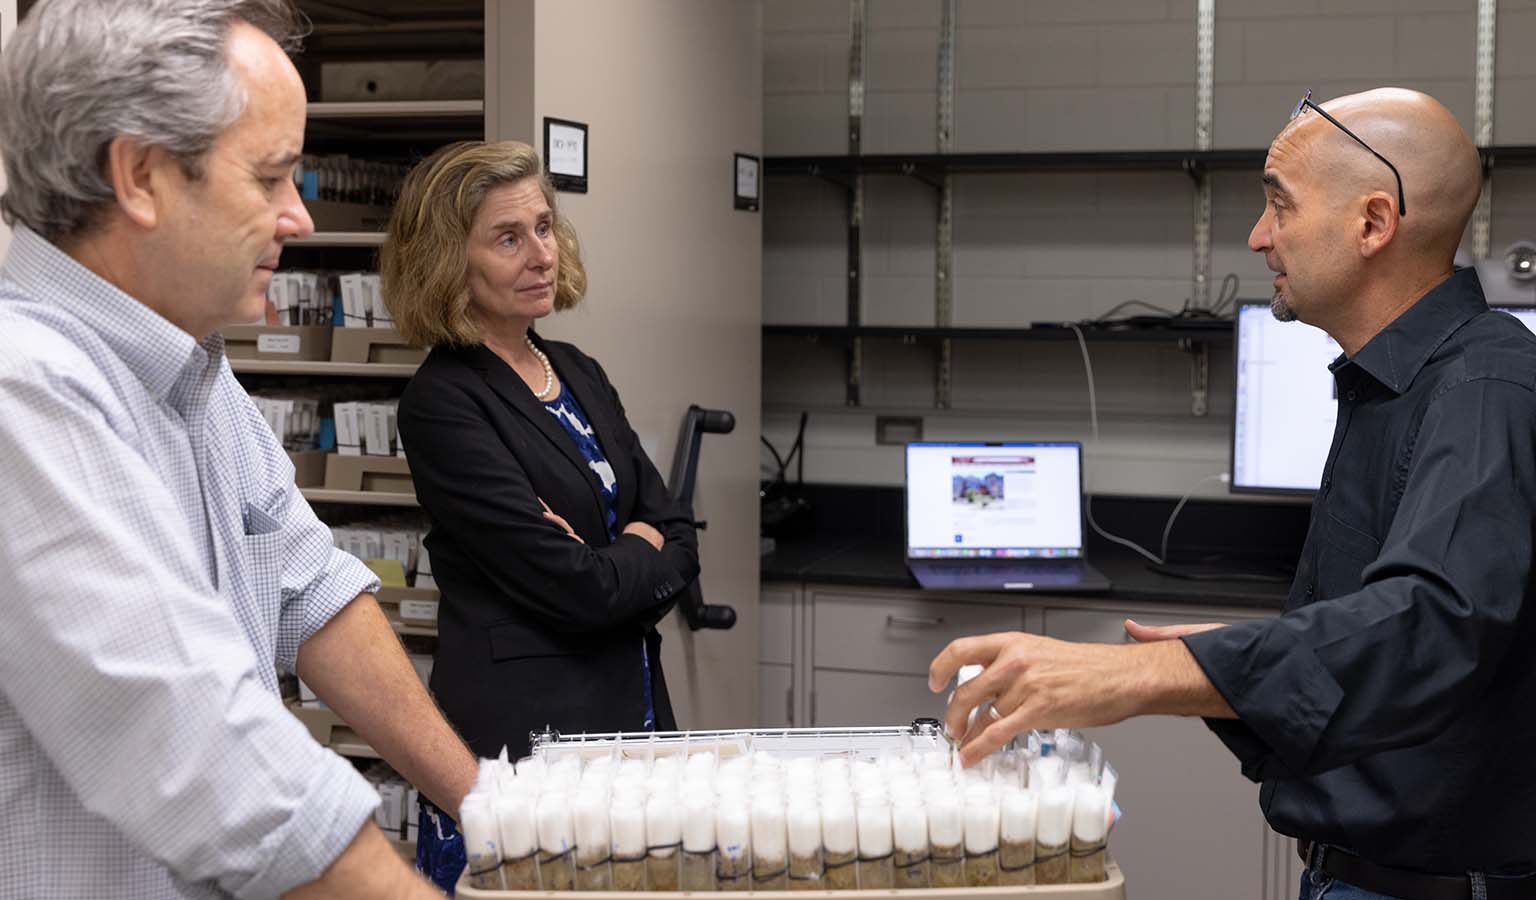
555 543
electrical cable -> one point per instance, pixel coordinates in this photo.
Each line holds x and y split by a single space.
1139 303
1224 299
1093 419
776 457
1168 528
797 448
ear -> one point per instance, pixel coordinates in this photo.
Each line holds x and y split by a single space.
1378 224
138 173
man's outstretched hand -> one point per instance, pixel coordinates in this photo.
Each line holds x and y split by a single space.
1037 682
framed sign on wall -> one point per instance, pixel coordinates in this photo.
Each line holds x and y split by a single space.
565 154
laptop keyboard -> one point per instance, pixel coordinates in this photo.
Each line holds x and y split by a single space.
1010 568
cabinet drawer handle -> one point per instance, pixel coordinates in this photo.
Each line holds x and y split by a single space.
914 621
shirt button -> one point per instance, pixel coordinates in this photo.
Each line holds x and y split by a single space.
1349 395
1327 483
1309 590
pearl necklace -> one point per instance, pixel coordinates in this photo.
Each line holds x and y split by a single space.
549 371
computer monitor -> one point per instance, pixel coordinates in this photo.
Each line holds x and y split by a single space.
994 500
1285 403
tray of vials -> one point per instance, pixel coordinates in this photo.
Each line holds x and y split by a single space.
771 811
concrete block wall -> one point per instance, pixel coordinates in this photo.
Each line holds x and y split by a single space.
1036 75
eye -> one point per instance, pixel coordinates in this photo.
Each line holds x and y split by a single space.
270 183
509 240
545 228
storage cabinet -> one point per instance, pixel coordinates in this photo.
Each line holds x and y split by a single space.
870 652
897 632
1193 828
779 692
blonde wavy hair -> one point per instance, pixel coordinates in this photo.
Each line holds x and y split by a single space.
422 266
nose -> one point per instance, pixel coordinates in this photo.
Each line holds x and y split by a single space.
1259 239
293 219
545 253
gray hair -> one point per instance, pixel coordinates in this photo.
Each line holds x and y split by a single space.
79 73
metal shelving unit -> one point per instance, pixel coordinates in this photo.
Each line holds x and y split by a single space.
341 239
1198 329
397 109
938 170
333 369
359 498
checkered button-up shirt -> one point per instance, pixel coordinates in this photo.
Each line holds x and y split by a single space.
157 569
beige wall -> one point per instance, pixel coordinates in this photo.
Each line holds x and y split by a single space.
669 90
7 25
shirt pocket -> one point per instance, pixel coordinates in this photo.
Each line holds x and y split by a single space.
259 522
1346 551
263 545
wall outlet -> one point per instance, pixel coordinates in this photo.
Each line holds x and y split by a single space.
898 430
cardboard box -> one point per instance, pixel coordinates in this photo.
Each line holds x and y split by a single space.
373 345
309 343
390 474
308 467
417 606
442 79
330 215
320 721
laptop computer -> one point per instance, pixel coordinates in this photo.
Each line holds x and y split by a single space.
997 516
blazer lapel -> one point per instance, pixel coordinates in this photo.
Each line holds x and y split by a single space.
511 389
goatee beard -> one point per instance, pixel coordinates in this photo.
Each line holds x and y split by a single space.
1280 309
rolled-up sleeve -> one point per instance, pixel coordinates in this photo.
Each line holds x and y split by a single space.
130 673
318 579
1392 664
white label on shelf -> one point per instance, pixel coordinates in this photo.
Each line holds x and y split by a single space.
277 343
419 610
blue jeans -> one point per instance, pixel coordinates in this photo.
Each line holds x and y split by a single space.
1316 885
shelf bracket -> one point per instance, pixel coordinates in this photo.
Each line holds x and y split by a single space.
858 33
840 179
927 175
1487 32
944 251
1199 375
1205 115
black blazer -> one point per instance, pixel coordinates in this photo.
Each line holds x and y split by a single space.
536 628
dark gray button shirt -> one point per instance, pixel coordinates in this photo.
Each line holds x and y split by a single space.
1391 710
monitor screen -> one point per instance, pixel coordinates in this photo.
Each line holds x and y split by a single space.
994 500
1282 421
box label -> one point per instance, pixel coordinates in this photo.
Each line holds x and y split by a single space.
419 610
277 343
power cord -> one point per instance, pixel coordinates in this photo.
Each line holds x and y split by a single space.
1225 298
1223 477
1093 419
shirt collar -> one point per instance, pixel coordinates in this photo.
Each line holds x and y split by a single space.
1395 355
156 351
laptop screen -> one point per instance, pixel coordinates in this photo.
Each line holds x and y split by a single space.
983 500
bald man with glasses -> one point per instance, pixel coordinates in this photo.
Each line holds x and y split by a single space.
1387 711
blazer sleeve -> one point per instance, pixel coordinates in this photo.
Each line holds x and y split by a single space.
654 504
476 491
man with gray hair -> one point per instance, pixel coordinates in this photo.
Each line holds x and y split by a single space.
158 567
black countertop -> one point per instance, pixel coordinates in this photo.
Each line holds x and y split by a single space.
849 535
880 562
